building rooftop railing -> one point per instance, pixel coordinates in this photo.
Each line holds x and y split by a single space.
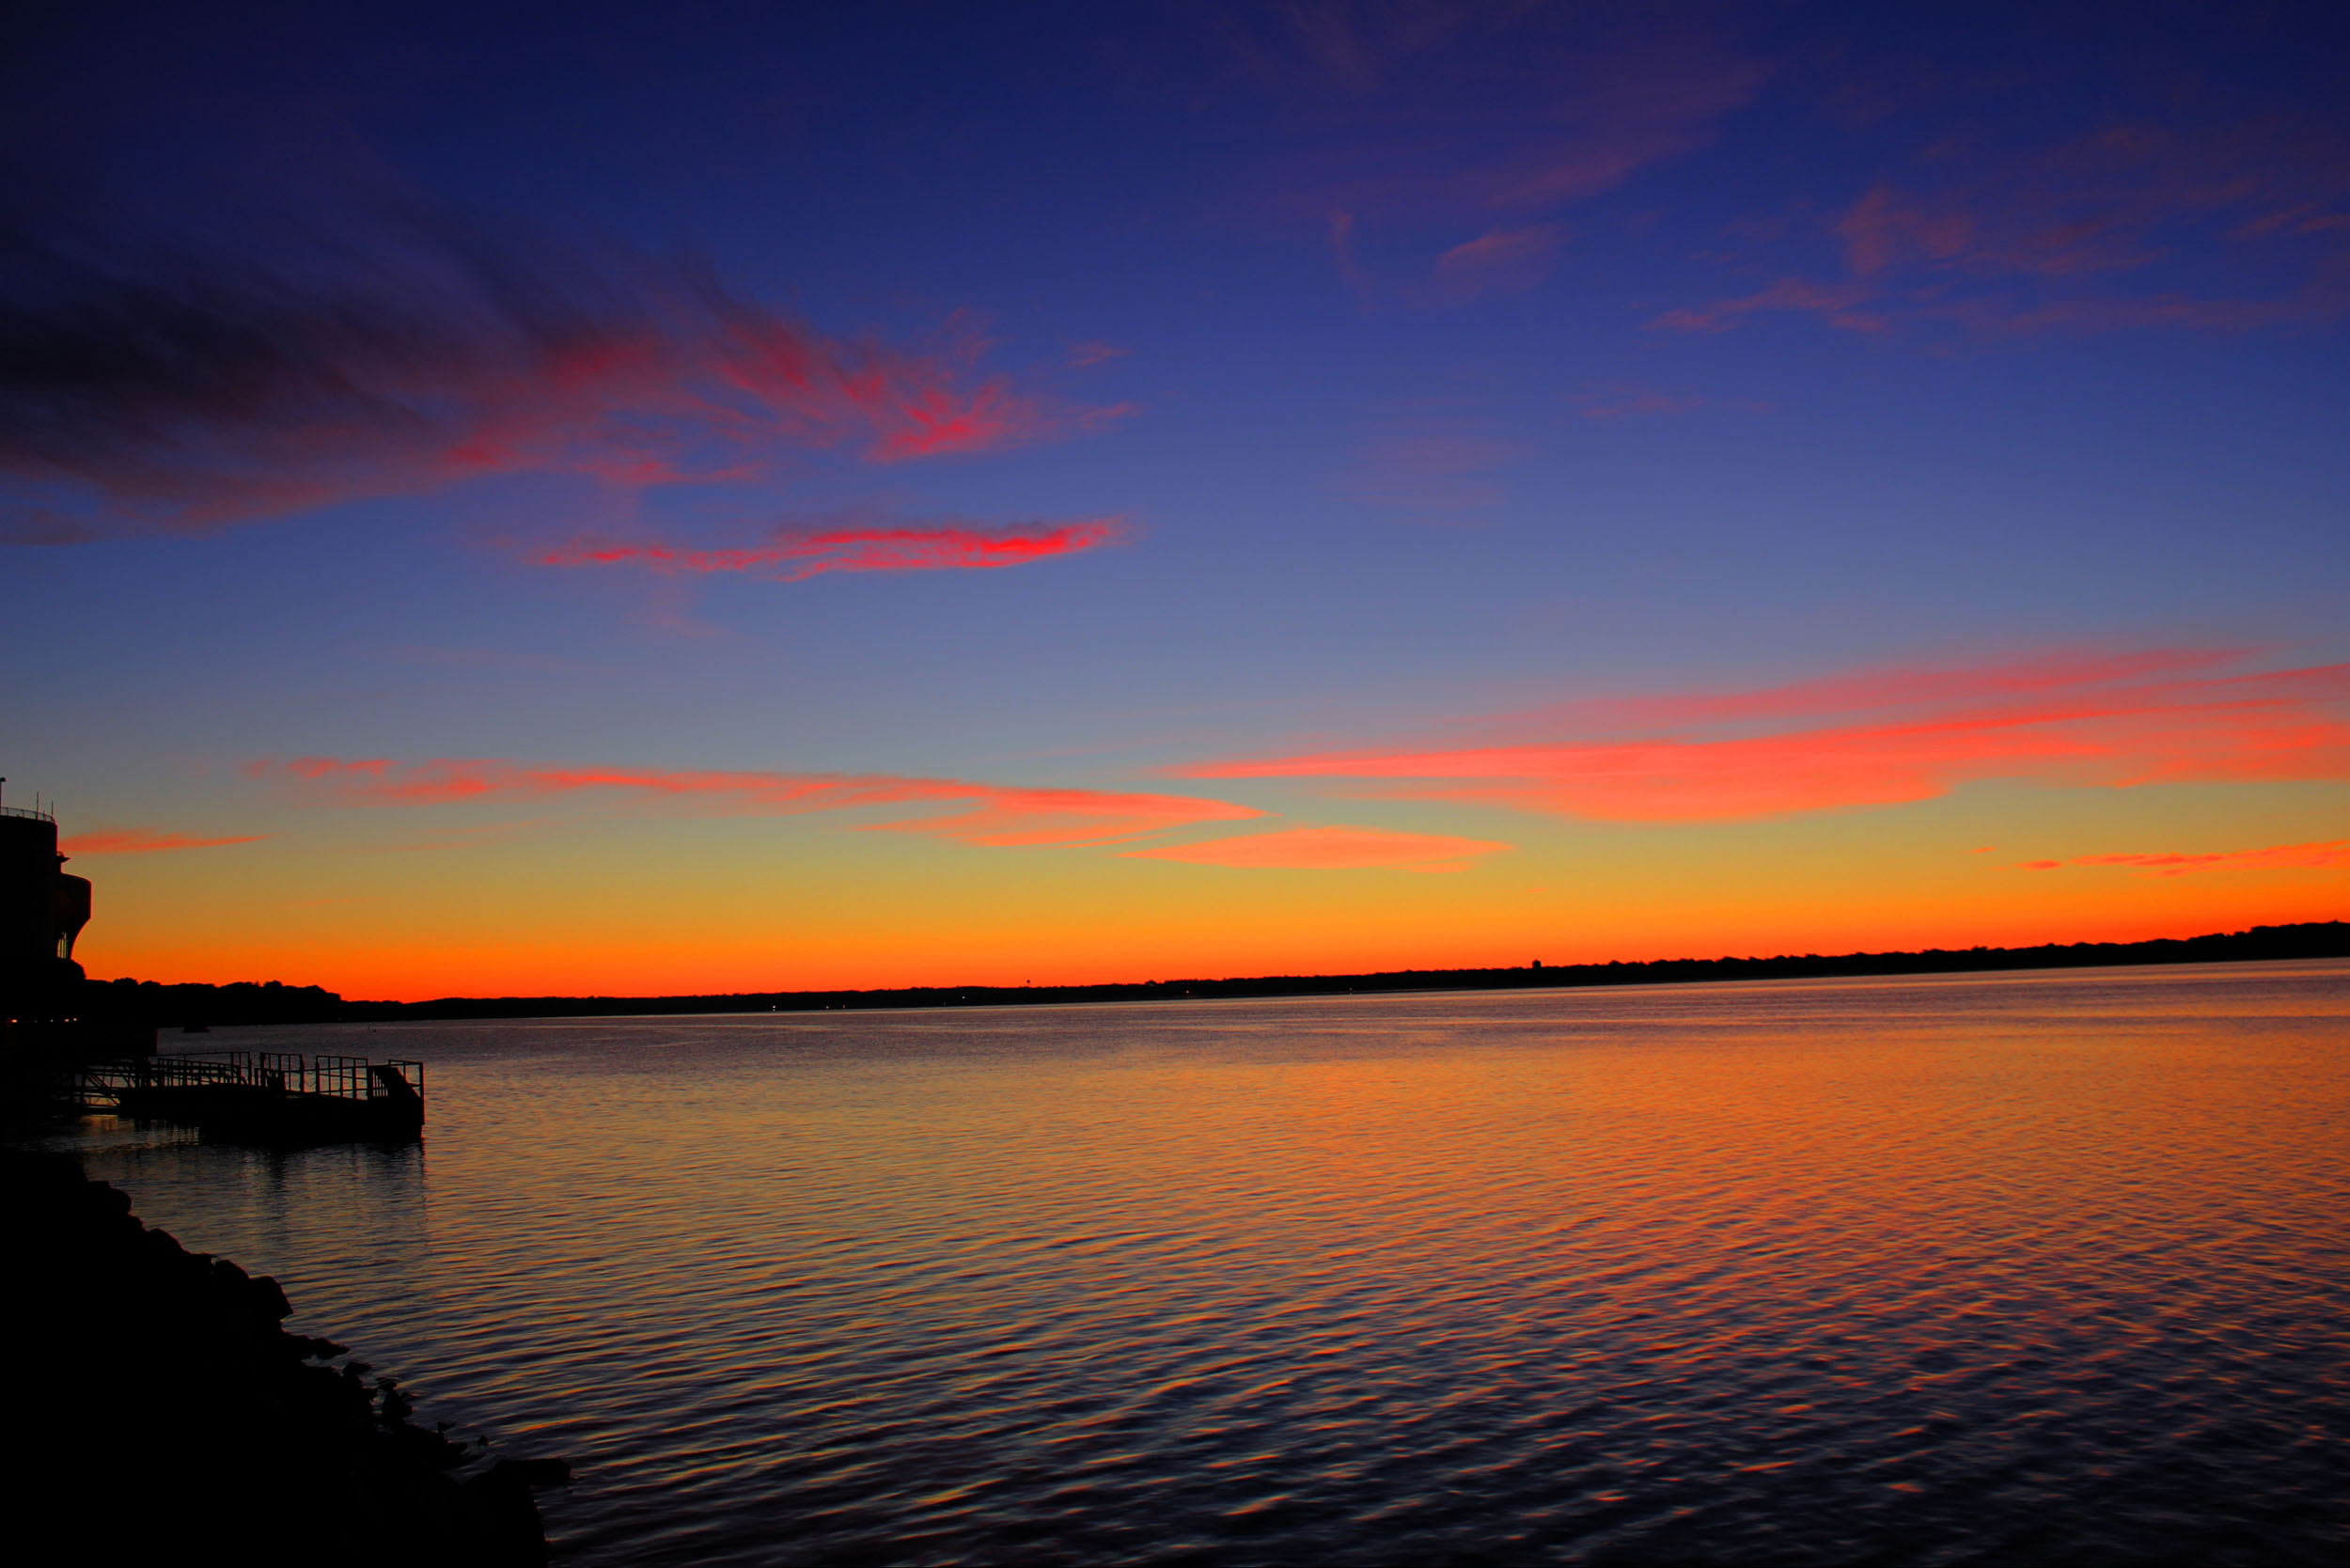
27 812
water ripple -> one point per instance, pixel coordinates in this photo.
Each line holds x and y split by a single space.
1997 1269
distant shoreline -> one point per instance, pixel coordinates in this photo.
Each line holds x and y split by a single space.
247 1003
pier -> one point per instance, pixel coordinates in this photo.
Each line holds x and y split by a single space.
274 1096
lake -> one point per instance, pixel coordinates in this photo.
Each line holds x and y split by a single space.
2042 1267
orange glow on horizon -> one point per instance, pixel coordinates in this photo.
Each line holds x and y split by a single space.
558 941
1884 790
1329 849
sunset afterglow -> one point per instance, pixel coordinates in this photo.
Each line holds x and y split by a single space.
1266 490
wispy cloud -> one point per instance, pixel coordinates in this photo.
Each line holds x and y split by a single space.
500 659
34 523
1350 266
1854 307
792 555
1888 691
143 840
1624 399
2215 228
1889 737
1471 125
1444 111
1436 456
1499 262
1329 849
2334 852
995 814
190 391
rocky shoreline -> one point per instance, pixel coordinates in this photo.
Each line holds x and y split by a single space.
163 1413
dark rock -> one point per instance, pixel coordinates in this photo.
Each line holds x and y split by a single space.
541 1472
179 1421
270 1297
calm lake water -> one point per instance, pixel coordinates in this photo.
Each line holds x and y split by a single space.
2019 1268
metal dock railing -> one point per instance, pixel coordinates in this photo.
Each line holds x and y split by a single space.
274 1090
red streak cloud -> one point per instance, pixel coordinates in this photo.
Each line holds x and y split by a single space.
796 557
142 840
997 814
2335 852
2131 720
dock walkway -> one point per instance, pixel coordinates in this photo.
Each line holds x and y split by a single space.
273 1095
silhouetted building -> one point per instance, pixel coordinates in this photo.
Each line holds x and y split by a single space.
53 1018
41 909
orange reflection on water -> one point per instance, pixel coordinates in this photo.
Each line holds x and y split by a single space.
1853 1262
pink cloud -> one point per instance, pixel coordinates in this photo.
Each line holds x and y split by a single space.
1839 304
1626 399
143 840
206 392
1350 266
2124 721
504 660
1094 352
2334 852
997 814
1499 261
2112 201
795 557
1877 691
2088 236
1433 456
1496 116
1323 849
1436 112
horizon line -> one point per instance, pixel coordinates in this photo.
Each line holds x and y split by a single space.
2308 937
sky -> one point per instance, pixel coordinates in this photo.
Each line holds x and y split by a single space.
630 499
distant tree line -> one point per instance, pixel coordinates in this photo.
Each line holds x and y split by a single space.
245 1002
197 1004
